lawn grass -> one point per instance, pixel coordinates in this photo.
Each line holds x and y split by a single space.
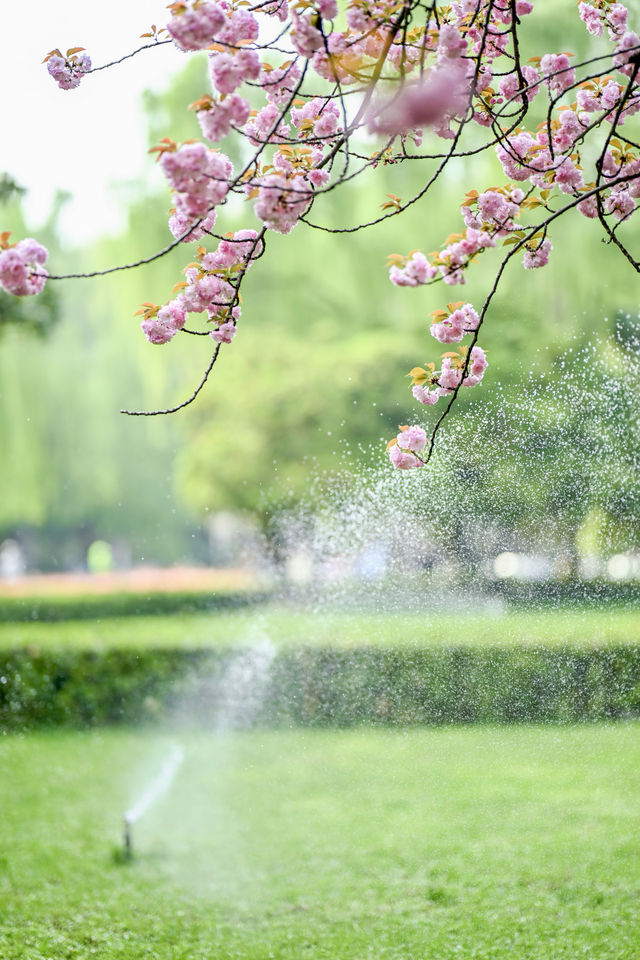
288 627
484 843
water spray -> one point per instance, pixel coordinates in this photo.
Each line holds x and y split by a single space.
155 790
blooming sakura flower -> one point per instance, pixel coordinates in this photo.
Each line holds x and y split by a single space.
244 245
444 94
157 331
277 8
230 70
217 119
281 202
588 207
424 395
304 36
163 327
184 228
333 58
22 271
619 203
568 177
616 20
570 127
68 71
515 156
449 377
557 72
318 116
453 328
199 177
195 23
278 83
206 292
402 460
477 366
404 57
413 439
267 127
538 256
319 178
448 331
225 332
493 206
510 85
240 26
591 19
416 271
455 257
451 44
327 8
628 45
592 98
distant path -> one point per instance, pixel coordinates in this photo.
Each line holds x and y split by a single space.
138 580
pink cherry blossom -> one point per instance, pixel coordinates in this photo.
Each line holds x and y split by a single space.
230 70
416 271
616 16
199 177
195 24
281 202
538 256
424 395
68 71
477 366
590 16
216 121
402 460
557 72
620 203
515 157
413 439
628 45
21 268
239 27
278 83
568 177
224 333
588 207
449 377
305 37
184 228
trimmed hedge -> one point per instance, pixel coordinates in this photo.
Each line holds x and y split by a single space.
566 593
319 687
95 606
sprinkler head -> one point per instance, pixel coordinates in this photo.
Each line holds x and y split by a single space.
128 845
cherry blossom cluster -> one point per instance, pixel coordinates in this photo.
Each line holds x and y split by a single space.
211 287
199 178
22 271
68 69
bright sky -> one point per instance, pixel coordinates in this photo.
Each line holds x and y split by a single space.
85 139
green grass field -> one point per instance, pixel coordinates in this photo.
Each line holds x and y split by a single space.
516 842
597 627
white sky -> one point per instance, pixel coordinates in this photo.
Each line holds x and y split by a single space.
85 139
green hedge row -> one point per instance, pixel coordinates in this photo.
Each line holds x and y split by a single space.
24 609
571 592
313 686
95 606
